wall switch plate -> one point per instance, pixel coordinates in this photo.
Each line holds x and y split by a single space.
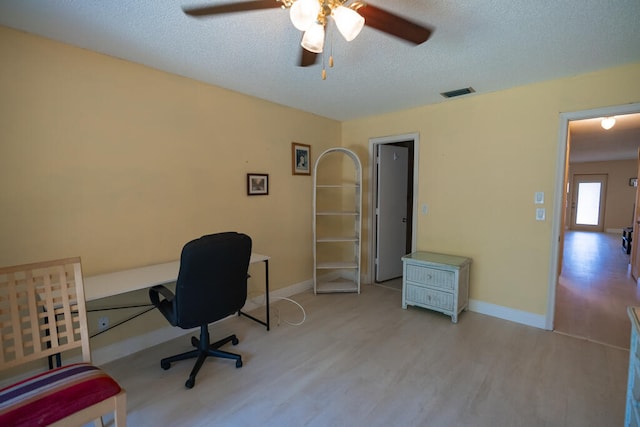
540 214
539 197
425 209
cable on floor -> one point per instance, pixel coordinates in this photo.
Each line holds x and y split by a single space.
304 313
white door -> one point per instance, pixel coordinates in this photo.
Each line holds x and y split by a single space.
587 202
391 211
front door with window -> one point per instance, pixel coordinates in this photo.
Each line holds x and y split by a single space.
587 202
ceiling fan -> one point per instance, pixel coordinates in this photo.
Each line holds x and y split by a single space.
312 17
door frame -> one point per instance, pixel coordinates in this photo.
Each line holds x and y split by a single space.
562 161
373 142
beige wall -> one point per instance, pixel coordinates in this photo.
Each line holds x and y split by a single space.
482 158
122 164
620 197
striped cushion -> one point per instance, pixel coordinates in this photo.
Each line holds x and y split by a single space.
55 394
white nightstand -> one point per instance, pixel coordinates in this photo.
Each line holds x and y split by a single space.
436 281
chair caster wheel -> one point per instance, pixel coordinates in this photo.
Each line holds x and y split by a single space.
238 363
165 365
235 341
190 382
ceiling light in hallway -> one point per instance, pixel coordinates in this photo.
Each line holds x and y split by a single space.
608 122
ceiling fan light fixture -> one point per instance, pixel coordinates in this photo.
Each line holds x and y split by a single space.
608 122
313 39
348 21
303 13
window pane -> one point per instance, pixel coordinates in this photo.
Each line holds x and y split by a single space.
588 209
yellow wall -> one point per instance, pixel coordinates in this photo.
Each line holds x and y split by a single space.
620 197
482 158
122 164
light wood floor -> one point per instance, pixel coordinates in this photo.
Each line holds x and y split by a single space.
361 360
595 288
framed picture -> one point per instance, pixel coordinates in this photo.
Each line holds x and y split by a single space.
257 184
300 159
633 182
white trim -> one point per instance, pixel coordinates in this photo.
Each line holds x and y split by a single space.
506 313
558 209
138 343
415 137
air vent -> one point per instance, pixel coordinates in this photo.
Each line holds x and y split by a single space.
458 92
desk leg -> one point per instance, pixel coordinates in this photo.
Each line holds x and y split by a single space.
266 298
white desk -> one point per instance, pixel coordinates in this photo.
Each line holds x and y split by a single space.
134 279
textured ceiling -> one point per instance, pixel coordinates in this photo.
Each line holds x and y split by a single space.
589 142
487 44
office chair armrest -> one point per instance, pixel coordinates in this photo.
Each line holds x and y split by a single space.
156 291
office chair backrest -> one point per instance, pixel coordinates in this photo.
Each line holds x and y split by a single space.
212 282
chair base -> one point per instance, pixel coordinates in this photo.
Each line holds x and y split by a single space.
203 350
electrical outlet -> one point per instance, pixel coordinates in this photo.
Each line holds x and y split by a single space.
103 323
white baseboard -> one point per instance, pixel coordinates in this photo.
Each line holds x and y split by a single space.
138 343
506 313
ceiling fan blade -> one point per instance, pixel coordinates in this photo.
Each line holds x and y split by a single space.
231 7
394 25
307 58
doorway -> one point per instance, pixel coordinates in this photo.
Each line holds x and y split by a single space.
392 208
559 217
387 206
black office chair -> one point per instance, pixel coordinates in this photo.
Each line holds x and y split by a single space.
211 285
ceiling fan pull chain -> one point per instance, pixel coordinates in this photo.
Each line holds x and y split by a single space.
331 51
324 71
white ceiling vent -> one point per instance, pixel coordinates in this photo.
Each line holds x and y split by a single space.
458 92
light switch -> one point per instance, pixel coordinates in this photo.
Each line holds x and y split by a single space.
425 209
540 214
539 197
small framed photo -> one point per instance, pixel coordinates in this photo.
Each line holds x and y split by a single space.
257 184
300 159
633 182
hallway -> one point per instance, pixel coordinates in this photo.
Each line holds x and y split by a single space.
595 288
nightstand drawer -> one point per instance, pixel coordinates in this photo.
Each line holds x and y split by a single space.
431 276
429 297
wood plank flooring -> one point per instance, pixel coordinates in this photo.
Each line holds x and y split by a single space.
595 288
361 360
